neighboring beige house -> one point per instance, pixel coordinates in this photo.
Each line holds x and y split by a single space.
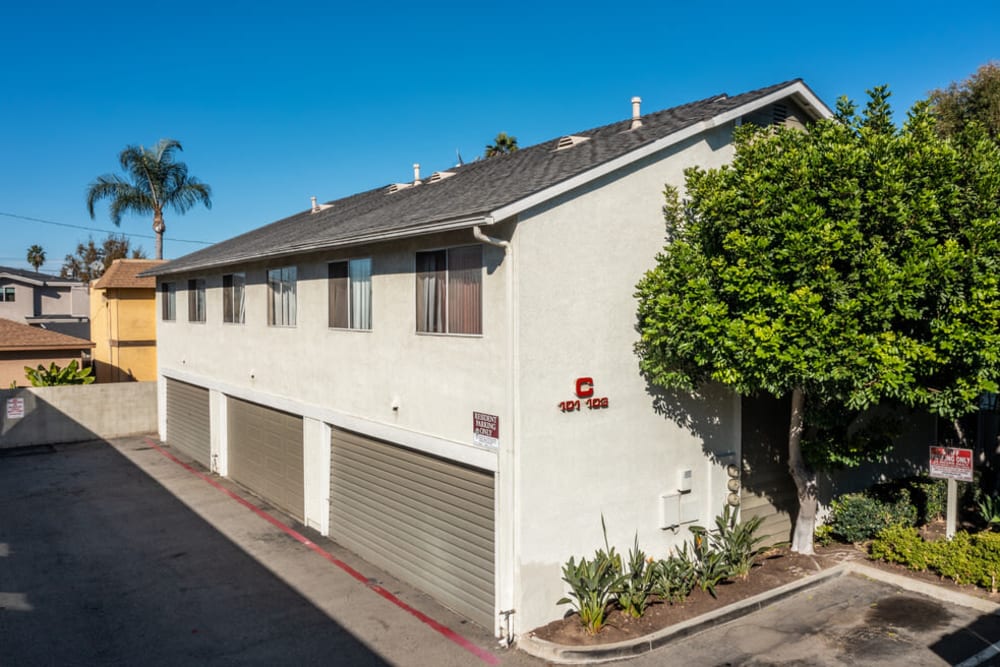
440 375
57 304
22 345
123 322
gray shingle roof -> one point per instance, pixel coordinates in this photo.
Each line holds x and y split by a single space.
473 192
35 276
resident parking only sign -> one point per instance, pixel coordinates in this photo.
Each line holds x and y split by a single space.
485 429
951 463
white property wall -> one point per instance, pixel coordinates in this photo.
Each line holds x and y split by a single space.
579 259
77 412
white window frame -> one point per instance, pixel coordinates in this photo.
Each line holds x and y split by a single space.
234 297
356 321
284 279
168 302
422 317
196 301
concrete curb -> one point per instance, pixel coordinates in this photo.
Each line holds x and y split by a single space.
923 588
564 654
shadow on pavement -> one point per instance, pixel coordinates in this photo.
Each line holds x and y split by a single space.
101 565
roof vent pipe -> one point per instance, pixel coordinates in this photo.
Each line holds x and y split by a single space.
315 206
416 173
636 115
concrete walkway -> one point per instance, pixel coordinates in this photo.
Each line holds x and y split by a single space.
114 554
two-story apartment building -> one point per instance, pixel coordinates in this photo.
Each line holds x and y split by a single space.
38 299
440 374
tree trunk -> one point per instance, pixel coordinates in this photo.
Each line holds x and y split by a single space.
159 228
805 479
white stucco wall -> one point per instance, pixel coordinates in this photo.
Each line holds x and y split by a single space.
352 378
579 260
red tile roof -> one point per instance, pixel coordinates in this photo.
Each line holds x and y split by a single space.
15 336
123 273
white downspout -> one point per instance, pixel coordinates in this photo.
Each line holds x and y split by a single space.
506 502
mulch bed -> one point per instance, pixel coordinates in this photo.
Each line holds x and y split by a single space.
773 569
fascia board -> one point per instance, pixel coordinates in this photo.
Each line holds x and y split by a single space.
812 103
17 277
303 248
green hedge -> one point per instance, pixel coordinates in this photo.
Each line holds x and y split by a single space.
966 558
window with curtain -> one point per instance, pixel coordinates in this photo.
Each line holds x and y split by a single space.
281 290
233 298
350 294
168 301
450 290
196 300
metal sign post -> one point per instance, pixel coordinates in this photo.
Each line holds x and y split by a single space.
953 464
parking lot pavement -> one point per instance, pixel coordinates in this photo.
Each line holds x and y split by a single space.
114 554
851 620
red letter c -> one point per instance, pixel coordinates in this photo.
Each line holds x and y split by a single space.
584 387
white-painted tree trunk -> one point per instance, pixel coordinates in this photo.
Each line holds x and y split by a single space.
805 479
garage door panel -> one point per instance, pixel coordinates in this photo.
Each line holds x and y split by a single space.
401 519
428 553
365 483
427 520
434 476
189 420
457 576
265 454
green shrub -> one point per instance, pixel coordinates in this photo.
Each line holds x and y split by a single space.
636 586
736 541
674 578
902 544
856 517
928 496
593 584
967 559
824 535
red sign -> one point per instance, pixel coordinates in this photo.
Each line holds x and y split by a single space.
485 429
951 463
584 393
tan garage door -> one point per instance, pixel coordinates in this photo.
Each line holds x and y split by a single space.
265 454
189 421
426 520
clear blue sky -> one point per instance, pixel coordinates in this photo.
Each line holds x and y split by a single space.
282 101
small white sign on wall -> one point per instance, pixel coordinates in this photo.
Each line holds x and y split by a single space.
15 408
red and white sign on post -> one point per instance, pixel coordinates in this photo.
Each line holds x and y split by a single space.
951 463
485 429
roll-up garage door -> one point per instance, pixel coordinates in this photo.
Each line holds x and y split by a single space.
426 520
265 454
189 421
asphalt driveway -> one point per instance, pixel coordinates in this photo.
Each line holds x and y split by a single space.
113 554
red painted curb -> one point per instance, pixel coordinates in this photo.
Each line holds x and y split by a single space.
447 632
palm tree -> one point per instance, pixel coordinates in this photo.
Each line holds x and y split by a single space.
36 256
502 145
155 182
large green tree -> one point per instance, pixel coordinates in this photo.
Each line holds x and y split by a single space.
976 99
154 181
848 265
91 260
